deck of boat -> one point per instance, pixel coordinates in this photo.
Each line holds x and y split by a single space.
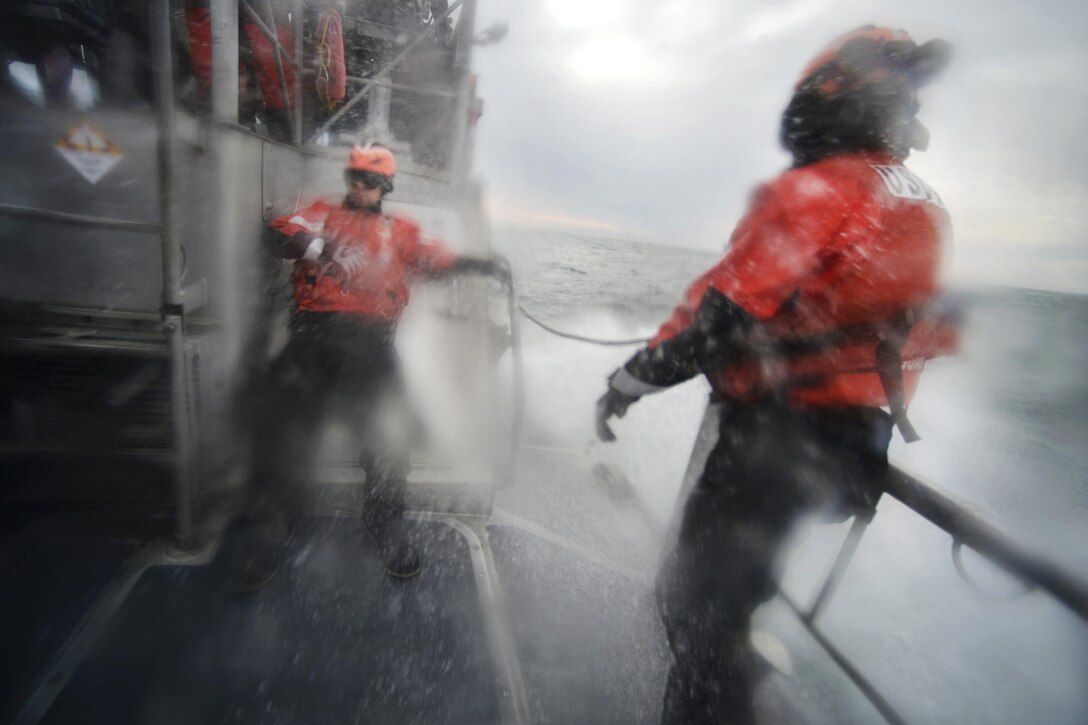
542 612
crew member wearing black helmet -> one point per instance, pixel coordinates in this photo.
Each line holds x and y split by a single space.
813 330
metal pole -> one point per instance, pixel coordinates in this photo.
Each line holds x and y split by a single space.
401 87
279 68
385 71
275 41
705 440
296 18
377 114
224 15
517 413
867 688
164 98
845 555
463 65
172 295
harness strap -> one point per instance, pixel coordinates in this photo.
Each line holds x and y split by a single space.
890 336
889 366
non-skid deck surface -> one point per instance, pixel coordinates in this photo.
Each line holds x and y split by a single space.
590 644
50 574
330 639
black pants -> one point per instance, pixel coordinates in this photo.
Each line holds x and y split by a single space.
770 466
334 367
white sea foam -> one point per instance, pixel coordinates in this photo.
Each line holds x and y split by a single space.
1003 428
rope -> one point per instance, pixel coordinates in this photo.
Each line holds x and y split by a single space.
580 338
324 58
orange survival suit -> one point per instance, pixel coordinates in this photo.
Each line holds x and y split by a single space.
350 285
393 249
831 259
817 316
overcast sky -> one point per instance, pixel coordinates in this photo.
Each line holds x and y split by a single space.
654 120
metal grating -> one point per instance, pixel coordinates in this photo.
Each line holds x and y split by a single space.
86 429
102 403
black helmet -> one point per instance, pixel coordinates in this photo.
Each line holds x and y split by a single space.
860 94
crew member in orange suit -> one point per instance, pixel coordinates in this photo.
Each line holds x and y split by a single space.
813 330
350 286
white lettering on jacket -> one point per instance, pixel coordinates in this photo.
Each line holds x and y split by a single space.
905 184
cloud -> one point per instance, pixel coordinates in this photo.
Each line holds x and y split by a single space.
582 15
660 117
784 18
621 60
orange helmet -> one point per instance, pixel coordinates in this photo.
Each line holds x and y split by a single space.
374 158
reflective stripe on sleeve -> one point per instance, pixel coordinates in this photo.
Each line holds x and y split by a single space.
315 249
628 384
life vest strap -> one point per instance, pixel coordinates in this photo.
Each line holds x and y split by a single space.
889 366
890 336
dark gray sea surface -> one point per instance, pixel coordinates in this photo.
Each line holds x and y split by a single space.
1004 432
562 275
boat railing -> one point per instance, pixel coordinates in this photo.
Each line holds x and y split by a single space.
380 78
506 465
965 529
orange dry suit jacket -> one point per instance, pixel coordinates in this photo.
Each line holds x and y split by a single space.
394 252
831 260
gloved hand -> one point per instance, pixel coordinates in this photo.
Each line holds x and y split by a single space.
495 267
500 270
612 403
350 259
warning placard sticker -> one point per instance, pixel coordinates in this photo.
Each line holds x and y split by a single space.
87 149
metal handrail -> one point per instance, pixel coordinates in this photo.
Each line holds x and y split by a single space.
965 528
517 413
81 220
988 540
401 86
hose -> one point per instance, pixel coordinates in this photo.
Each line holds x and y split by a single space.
581 338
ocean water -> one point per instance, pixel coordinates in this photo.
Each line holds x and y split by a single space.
1004 432
1004 423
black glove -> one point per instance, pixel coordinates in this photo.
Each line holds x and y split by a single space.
612 403
500 270
495 267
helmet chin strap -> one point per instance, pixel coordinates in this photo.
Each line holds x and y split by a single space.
375 208
918 135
